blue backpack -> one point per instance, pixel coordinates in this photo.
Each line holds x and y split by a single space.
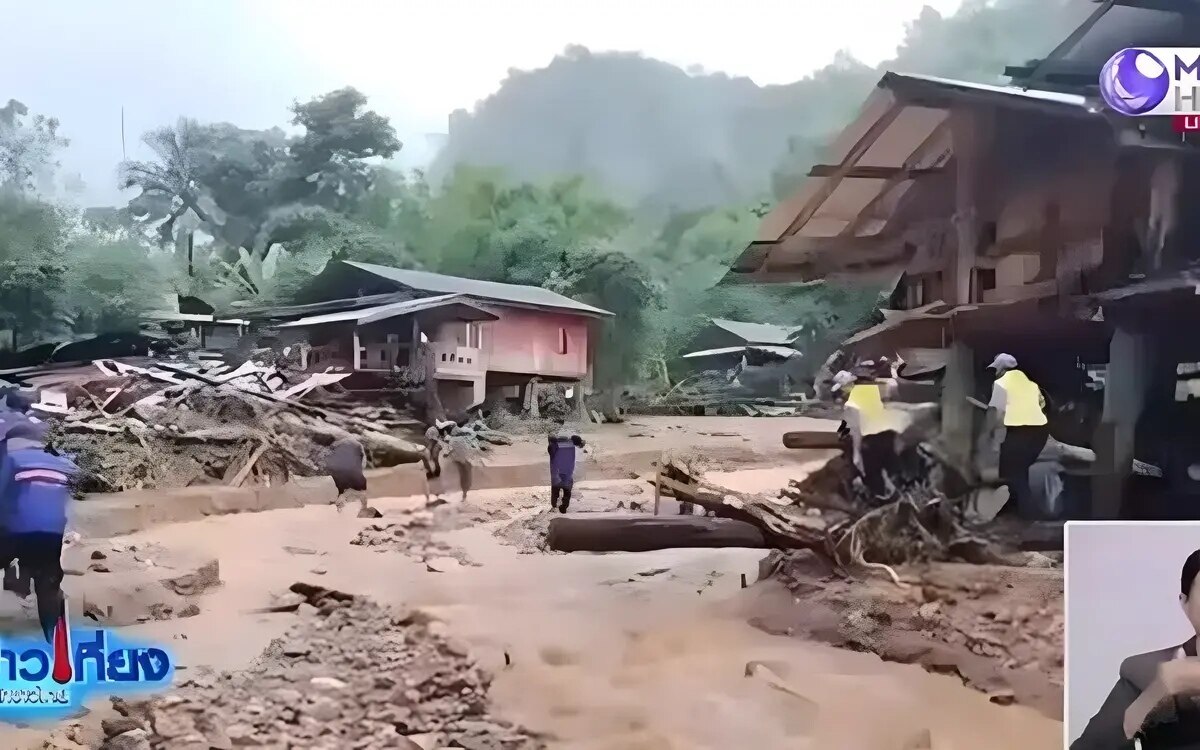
35 489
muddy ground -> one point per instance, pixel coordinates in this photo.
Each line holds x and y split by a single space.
604 651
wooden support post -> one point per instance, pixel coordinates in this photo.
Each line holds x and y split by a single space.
357 351
658 484
958 414
971 129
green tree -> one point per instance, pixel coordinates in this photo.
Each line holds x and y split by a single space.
109 285
28 147
32 239
252 190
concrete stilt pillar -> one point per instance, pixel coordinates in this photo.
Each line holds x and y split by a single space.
1130 363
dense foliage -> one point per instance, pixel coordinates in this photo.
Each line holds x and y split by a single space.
587 195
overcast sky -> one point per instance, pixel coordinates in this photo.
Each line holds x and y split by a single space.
245 61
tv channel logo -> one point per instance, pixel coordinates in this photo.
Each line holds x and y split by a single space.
44 682
1141 81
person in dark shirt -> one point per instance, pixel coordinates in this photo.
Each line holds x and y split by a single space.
345 464
35 490
1155 703
562 447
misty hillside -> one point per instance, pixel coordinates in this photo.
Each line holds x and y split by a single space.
666 139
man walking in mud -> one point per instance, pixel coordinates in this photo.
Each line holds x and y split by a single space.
562 447
444 440
35 489
345 464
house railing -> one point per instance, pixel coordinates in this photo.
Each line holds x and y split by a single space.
452 359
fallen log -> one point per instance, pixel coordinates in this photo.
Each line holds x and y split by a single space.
802 439
645 533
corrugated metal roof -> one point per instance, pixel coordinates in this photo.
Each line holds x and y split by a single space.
488 290
901 132
756 333
366 315
782 351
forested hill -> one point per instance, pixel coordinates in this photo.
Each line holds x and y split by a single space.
664 139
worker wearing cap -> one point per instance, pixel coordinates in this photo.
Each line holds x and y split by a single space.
872 426
1018 404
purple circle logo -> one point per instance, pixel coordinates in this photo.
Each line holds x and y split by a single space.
1134 82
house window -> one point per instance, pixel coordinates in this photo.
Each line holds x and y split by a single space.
983 280
562 340
393 338
921 290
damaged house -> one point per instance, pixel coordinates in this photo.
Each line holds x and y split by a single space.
474 339
758 355
1031 221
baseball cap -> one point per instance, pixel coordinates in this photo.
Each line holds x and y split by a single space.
841 380
1003 362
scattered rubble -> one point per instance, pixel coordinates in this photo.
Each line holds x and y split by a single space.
412 534
1000 629
349 675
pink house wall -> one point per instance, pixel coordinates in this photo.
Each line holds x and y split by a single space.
528 341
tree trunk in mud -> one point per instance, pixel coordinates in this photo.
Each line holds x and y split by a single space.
645 533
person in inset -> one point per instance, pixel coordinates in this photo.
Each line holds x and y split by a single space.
35 489
1155 702
562 446
345 464
1019 406
872 429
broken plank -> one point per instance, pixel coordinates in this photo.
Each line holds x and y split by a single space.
245 470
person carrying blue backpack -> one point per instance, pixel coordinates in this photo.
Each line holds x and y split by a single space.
35 489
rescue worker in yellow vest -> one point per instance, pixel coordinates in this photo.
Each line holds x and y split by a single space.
1018 404
872 428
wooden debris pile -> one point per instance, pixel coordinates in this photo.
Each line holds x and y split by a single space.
831 514
174 424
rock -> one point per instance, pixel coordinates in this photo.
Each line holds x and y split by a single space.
324 709
72 571
653 572
319 571
428 741
98 568
286 602
295 648
327 683
442 564
241 734
307 610
98 555
120 725
134 739
190 610
369 512
287 696
1002 697
173 724
190 584
299 550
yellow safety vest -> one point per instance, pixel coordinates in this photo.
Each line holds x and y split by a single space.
873 416
1023 400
